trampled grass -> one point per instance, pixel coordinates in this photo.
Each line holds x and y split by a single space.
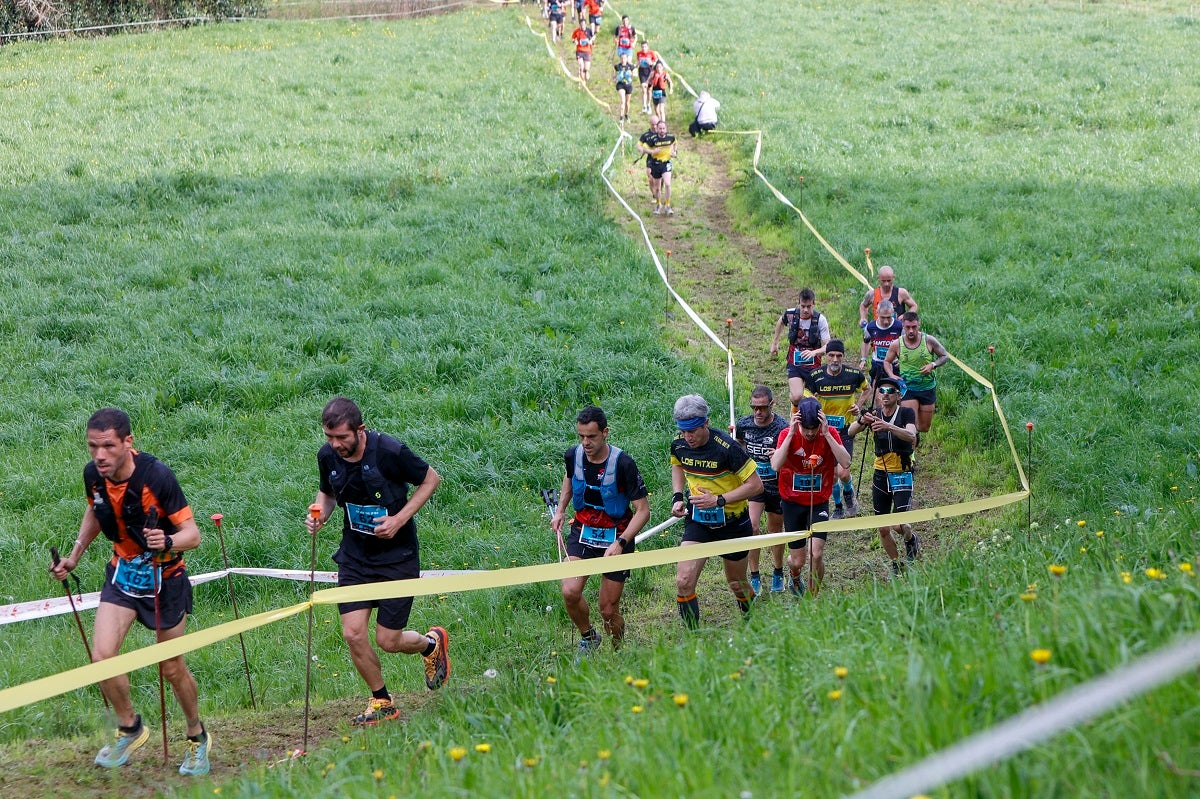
219 228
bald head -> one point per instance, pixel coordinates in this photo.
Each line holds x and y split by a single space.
654 120
887 273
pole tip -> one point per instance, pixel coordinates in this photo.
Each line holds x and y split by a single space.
728 321
867 250
991 348
668 253
217 517
1029 426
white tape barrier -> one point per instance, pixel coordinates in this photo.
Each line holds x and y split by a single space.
56 606
1023 731
662 273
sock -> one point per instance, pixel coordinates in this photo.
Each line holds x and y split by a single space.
591 635
382 693
778 572
429 649
137 725
202 737
689 611
837 494
754 574
744 601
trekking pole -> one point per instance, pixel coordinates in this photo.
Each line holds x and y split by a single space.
863 463
55 559
992 364
314 510
217 517
812 466
151 523
551 498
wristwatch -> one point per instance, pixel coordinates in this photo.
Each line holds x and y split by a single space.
720 500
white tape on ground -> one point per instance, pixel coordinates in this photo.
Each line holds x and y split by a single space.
1038 723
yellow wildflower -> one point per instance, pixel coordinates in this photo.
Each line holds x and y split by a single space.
1099 534
1040 656
641 682
551 679
530 762
377 774
483 749
835 695
629 679
1082 523
458 753
1156 574
1126 577
841 672
604 754
1057 570
1186 568
681 700
636 709
1028 597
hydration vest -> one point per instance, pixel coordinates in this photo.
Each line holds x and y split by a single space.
378 485
615 503
132 512
885 442
812 334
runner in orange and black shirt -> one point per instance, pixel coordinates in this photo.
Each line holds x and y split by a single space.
583 50
135 501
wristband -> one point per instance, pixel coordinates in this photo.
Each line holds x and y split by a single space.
625 543
678 497
168 543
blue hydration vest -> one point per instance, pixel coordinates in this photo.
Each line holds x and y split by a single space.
615 503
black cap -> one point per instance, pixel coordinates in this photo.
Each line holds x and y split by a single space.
887 380
809 408
835 345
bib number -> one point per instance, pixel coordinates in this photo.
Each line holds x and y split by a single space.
900 481
600 537
135 577
806 483
797 360
764 470
836 422
880 353
362 517
713 517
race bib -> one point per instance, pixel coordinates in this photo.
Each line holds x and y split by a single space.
836 422
658 94
764 470
135 577
362 517
900 481
797 360
804 483
714 517
880 353
597 536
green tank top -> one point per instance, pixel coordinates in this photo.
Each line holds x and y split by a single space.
911 362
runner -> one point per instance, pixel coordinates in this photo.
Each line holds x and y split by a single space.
842 391
646 59
878 335
659 147
136 502
624 37
660 84
806 456
808 333
757 433
914 356
624 82
368 474
595 12
895 431
553 10
719 478
583 51
887 289
604 487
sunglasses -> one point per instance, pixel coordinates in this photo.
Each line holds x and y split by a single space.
888 390
760 407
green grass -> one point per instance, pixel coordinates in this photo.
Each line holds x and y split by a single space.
219 228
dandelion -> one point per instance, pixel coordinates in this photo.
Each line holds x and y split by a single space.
458 753
641 682
835 695
1040 656
377 774
1174 488
1057 570
604 754
1126 577
636 709
1156 574
1082 522
629 679
1029 596
737 675
531 762
605 779
551 679
681 700
1186 568
841 672
483 749
1083 550
345 739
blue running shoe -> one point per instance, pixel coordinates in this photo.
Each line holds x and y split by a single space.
777 583
756 584
117 753
195 762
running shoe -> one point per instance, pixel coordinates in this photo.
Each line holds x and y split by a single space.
851 506
756 583
437 662
838 513
776 583
117 753
586 647
797 587
657 210
912 548
195 762
670 211
377 710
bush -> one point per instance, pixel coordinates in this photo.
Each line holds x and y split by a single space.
20 17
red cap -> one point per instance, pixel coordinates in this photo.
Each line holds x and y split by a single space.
1029 426
314 510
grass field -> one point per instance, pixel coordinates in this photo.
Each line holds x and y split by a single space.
220 228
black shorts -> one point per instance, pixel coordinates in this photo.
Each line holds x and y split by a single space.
659 99
174 599
393 613
797 517
884 499
658 168
595 19
577 549
926 397
734 527
623 86
798 371
556 18
584 56
770 499
644 74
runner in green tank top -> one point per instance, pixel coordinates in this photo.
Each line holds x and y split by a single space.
912 358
